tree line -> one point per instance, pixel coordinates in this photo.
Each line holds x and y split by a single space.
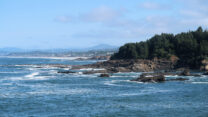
190 47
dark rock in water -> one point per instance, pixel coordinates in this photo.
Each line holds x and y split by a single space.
104 75
95 71
186 72
178 79
196 75
156 77
66 72
206 73
150 78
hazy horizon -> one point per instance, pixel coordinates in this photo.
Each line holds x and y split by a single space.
81 24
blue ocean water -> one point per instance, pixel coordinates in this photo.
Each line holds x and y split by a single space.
27 90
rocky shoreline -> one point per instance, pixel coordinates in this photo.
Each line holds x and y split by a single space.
131 65
159 67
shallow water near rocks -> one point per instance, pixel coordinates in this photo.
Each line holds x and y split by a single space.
28 90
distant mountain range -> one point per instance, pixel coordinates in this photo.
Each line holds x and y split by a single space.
102 47
18 51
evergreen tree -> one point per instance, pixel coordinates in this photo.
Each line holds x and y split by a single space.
190 48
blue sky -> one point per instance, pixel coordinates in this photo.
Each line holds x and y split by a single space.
47 24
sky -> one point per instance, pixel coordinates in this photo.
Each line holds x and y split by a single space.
47 24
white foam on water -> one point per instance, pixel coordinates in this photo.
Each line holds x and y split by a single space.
31 69
85 75
22 65
198 79
86 69
65 68
12 72
99 69
115 83
52 72
7 84
40 78
16 78
62 91
110 83
171 75
30 78
123 76
92 69
147 91
152 90
32 75
130 94
80 74
204 76
200 82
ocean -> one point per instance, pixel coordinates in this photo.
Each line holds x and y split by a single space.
31 87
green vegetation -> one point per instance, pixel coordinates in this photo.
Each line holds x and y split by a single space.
190 47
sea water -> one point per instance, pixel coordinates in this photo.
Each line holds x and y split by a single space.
28 90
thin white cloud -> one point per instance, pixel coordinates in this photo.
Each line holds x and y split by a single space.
154 6
63 19
117 26
101 14
195 13
191 13
150 5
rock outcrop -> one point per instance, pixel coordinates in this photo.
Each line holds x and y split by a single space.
206 73
150 78
155 77
131 65
94 71
186 72
204 65
104 75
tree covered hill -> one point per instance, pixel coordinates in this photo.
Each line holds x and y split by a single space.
189 47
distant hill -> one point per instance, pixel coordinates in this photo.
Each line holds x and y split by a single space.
95 50
102 47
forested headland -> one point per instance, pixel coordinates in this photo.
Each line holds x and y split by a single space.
190 48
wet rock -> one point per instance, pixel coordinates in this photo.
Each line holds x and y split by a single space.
66 72
122 69
186 72
94 71
204 65
206 73
130 65
150 78
104 75
178 79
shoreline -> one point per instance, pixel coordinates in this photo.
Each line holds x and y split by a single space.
68 58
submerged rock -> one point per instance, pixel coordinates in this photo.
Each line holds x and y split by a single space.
178 79
104 75
66 72
206 73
